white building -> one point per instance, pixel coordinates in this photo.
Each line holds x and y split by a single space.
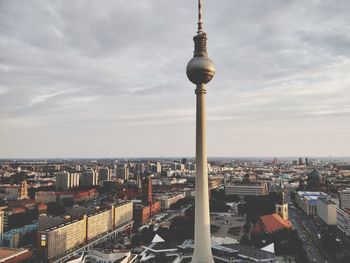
343 221
158 168
122 172
89 178
344 198
2 217
307 201
244 189
327 210
104 174
167 201
66 180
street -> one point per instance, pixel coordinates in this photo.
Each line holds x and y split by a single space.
308 236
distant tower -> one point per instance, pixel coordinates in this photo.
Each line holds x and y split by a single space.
147 190
301 161
200 70
282 206
23 190
139 181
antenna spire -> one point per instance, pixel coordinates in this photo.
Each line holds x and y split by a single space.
200 23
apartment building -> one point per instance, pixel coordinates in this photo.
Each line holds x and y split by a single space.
244 189
56 241
344 198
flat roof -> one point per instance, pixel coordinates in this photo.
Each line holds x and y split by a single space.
326 200
7 253
247 184
311 197
249 252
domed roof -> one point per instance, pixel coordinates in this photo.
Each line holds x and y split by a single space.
313 175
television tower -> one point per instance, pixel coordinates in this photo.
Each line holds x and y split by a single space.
200 70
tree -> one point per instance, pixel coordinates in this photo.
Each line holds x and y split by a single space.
218 206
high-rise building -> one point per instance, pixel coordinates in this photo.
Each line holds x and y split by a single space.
343 220
89 178
122 172
104 174
307 201
141 168
314 181
23 191
2 217
200 70
48 221
66 180
344 198
327 210
190 166
158 168
301 161
56 241
147 190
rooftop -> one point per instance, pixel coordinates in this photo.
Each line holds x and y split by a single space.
326 200
7 254
274 222
247 184
311 197
249 252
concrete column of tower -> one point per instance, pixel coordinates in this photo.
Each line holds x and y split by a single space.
200 70
202 250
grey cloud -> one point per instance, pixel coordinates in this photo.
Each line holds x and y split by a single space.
117 69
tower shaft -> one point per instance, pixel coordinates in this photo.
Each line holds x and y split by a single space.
202 242
200 70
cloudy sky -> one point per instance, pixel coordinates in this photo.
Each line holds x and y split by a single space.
107 78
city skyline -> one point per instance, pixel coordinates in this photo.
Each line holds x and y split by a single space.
90 80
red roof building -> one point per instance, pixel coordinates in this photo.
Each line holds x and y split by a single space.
270 224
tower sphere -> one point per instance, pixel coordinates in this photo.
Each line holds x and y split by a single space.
200 70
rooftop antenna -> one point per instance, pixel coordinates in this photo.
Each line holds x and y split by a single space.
200 22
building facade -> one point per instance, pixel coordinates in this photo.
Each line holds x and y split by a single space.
56 241
45 197
168 201
104 174
2 217
343 221
244 189
99 223
89 178
327 210
66 180
47 221
307 201
344 198
122 172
